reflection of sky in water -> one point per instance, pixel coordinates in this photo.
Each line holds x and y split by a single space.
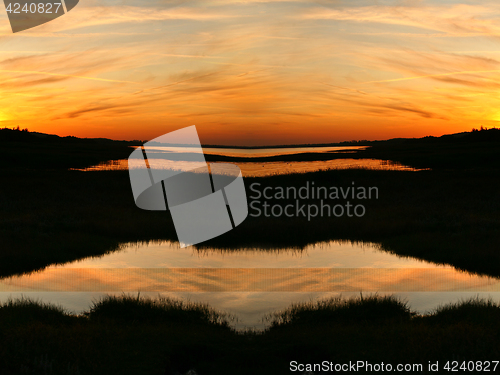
259 152
249 283
252 169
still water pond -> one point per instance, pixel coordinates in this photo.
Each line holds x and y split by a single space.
250 283
254 169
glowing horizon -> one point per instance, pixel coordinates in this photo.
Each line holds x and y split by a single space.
255 73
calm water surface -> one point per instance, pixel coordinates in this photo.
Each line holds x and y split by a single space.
250 283
253 169
261 152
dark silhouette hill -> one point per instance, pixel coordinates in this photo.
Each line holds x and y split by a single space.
24 149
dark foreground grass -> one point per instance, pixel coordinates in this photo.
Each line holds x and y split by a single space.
131 335
355 310
126 309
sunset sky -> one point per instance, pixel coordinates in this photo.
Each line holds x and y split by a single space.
255 72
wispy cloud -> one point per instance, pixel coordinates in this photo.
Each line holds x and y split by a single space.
455 19
255 71
29 72
435 75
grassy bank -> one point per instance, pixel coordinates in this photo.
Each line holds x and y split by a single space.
49 214
22 149
447 217
127 335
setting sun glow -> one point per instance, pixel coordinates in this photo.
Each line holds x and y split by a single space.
255 72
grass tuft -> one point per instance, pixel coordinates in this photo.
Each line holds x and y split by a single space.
130 309
472 310
26 310
135 335
372 309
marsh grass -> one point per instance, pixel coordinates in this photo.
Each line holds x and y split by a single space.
444 217
474 310
29 310
117 335
448 215
136 335
136 310
373 309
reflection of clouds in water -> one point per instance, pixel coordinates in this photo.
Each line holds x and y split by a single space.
250 280
278 168
258 152
323 267
251 169
249 283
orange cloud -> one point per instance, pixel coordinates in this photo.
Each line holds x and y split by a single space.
255 72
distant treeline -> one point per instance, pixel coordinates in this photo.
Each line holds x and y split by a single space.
24 135
475 135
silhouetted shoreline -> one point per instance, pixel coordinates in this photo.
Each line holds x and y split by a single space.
134 335
445 215
51 215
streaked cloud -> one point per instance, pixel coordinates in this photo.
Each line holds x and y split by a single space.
255 72
454 19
